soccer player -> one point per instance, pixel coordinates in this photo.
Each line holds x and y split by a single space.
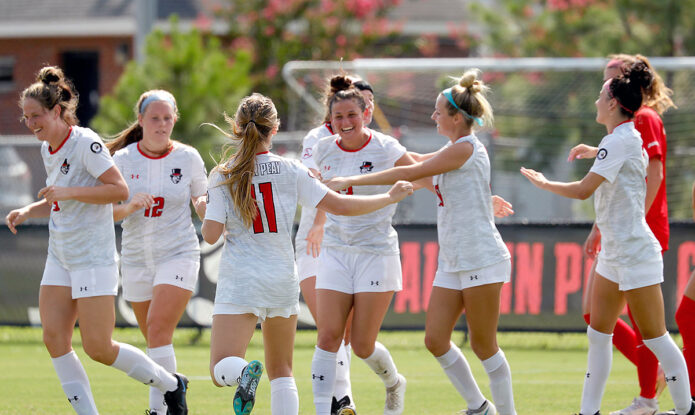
629 266
307 249
80 279
160 253
474 263
253 196
648 123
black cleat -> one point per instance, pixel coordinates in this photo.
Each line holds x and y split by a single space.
245 395
342 406
176 399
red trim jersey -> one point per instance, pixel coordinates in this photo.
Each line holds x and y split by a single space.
371 233
257 267
650 126
165 230
81 235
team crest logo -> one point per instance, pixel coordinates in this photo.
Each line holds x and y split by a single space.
602 153
65 167
95 147
366 167
176 175
307 153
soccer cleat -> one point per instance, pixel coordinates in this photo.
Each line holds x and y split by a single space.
395 397
176 399
487 408
342 406
245 395
639 406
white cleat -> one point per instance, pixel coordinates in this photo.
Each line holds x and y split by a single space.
639 406
395 397
485 409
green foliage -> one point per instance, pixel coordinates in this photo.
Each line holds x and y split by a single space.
203 77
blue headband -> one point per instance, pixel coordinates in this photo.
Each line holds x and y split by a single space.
157 96
447 94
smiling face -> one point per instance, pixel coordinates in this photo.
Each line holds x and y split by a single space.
157 122
347 119
43 123
446 124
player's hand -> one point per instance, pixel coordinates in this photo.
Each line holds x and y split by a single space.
592 245
535 177
140 201
313 240
337 183
582 151
200 206
54 194
400 191
316 174
15 218
500 207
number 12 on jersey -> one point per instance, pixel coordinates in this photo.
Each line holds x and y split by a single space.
266 190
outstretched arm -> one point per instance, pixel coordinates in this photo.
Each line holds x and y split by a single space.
353 205
575 190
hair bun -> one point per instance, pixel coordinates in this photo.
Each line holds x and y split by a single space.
340 83
469 80
640 74
50 75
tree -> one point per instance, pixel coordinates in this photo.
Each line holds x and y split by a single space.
202 76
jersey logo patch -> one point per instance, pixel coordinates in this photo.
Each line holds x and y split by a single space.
366 167
95 147
307 153
65 167
602 153
176 175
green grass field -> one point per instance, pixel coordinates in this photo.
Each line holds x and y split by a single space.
547 369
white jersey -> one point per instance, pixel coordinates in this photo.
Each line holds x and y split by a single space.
309 213
619 201
372 232
81 235
165 230
468 237
257 266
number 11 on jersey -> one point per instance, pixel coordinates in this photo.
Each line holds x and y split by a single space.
266 190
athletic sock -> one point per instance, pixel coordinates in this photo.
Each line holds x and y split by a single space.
166 358
381 363
138 366
624 339
500 375
323 379
599 361
647 364
459 373
676 373
284 399
75 383
228 370
342 373
685 317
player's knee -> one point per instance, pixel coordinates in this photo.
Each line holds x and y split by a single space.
363 348
437 345
57 342
98 350
278 370
483 347
329 340
158 333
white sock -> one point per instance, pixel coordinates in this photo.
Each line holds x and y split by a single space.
323 367
75 383
500 375
138 366
673 363
166 358
382 364
228 370
599 360
342 373
284 399
456 368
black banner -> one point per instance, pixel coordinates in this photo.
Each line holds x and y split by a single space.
548 275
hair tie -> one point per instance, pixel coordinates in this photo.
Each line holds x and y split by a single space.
157 96
450 98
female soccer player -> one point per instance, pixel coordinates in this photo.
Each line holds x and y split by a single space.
80 279
648 123
253 196
307 249
474 263
160 253
629 266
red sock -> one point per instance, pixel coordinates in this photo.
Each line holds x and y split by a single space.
647 364
623 339
685 318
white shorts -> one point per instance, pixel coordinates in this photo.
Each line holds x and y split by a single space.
633 276
460 280
261 312
307 266
351 272
138 282
87 282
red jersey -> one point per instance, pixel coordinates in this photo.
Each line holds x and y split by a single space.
649 124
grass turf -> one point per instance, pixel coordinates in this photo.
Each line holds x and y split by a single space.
547 370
